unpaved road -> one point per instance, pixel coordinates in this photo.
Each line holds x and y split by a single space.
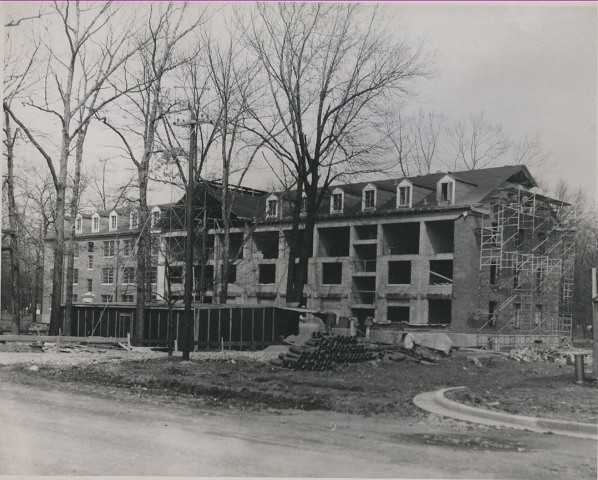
55 433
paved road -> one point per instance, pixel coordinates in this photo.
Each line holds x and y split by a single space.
60 433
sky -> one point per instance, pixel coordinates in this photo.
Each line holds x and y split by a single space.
530 67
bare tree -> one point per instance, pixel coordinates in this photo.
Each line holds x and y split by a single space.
104 192
17 78
232 77
426 129
328 69
476 143
400 141
159 55
94 45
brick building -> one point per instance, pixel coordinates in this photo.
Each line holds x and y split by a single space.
427 251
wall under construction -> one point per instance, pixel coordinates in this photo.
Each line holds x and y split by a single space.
526 267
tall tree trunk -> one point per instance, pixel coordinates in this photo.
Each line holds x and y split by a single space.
14 228
225 254
142 245
74 210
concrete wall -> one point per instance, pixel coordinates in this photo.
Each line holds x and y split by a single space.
466 269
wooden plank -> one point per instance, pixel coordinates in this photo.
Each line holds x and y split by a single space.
54 338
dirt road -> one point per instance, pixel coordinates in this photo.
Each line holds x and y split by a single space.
55 433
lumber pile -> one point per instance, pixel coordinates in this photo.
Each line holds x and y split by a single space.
321 351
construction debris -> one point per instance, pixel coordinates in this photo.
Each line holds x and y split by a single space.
321 351
71 348
547 354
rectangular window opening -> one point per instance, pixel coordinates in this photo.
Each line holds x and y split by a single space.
332 273
399 273
441 272
439 311
397 314
267 273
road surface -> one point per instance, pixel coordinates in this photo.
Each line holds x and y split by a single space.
64 433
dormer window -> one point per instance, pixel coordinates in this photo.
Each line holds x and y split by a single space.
113 225
95 223
303 205
405 194
369 197
133 220
337 200
272 206
445 190
79 224
155 217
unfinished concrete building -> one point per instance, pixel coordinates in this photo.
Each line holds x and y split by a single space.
474 252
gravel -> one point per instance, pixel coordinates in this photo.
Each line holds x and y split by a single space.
110 356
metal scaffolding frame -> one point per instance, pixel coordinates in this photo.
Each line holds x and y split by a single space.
526 268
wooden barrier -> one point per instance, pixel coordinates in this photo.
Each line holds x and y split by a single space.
62 339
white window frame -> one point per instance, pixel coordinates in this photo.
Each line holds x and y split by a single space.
95 219
133 220
88 283
368 188
155 218
303 208
89 262
75 276
272 198
108 269
113 219
126 275
447 179
337 191
78 224
402 185
131 244
151 279
107 242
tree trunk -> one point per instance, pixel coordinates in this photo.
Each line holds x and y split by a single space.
74 210
225 254
144 227
14 229
55 317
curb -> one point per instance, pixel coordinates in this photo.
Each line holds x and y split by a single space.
435 402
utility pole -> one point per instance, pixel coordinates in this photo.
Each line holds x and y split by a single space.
186 329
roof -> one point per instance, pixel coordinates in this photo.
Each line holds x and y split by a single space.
479 184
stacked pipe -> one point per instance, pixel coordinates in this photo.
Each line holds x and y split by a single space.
319 352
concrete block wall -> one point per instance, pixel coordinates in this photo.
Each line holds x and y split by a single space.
466 267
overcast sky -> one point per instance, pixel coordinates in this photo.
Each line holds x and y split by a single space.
529 67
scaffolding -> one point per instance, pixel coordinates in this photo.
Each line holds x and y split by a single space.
526 269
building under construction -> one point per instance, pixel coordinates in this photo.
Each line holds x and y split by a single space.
479 253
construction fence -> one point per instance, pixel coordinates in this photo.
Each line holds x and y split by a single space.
215 326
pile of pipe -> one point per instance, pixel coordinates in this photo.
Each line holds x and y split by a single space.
321 351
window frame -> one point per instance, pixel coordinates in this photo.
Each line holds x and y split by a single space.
95 223
133 220
127 275
108 274
337 193
78 224
403 186
272 200
155 217
111 248
364 199
113 219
